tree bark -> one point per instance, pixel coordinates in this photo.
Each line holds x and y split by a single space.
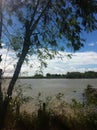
17 70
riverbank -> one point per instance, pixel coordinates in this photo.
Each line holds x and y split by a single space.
55 114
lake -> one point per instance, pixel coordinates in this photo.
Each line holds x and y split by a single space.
71 88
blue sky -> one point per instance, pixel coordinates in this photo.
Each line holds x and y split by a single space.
91 41
83 60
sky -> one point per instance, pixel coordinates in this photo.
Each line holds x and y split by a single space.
91 41
83 60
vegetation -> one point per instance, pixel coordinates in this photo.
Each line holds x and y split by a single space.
72 75
91 95
56 114
88 74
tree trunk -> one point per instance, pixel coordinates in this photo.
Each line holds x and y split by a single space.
12 83
0 83
17 70
1 96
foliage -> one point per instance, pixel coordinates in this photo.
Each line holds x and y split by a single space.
73 75
38 76
88 74
18 100
74 116
91 95
48 75
44 23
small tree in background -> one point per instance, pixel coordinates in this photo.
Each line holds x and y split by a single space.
37 26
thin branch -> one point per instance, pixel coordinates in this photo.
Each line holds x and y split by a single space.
37 20
33 15
7 34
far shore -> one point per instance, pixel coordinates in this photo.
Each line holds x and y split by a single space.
46 78
68 75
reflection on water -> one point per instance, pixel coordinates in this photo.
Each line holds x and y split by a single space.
71 88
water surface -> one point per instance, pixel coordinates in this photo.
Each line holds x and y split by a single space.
71 88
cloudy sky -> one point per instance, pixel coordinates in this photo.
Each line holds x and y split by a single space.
83 60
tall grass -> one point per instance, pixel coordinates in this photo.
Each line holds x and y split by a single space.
54 114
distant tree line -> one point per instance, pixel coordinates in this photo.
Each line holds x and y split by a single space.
89 74
72 75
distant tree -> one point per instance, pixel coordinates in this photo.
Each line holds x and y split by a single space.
90 74
74 75
38 76
48 75
38 25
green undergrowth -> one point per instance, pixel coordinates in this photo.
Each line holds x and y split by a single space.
55 113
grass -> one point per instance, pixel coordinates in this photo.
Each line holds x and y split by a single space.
55 114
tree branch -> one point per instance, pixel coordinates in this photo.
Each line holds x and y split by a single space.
33 15
37 20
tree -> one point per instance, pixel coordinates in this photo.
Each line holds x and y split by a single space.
43 23
40 24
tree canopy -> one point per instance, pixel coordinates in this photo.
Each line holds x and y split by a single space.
43 23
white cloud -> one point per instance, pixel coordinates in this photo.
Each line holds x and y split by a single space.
84 58
91 44
81 61
8 61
